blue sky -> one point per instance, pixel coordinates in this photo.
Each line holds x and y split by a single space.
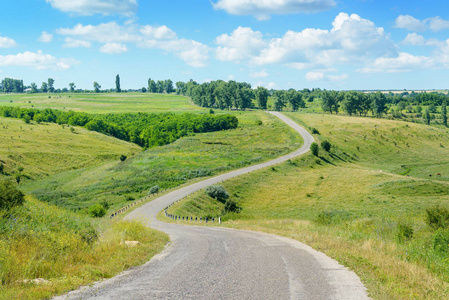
332 44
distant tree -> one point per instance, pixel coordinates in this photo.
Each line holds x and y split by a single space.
402 105
97 87
97 210
444 113
143 89
427 117
51 83
378 102
123 157
117 84
329 101
181 88
351 103
294 99
10 196
279 100
151 86
168 86
34 88
160 86
44 87
314 148
262 97
72 87
326 145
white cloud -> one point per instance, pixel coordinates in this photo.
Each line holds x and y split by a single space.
351 40
37 61
340 77
74 43
90 7
414 39
314 76
243 43
262 9
104 33
268 85
412 24
114 48
260 74
114 36
404 62
158 32
46 37
6 42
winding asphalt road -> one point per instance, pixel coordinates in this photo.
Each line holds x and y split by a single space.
220 263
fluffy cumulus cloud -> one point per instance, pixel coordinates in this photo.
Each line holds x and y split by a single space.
321 75
351 40
412 24
242 44
113 48
262 9
46 37
115 37
6 42
90 7
404 62
38 61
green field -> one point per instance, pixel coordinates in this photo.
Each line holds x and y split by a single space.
351 203
103 103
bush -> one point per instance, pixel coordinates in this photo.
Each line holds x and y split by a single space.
10 196
326 145
437 217
230 206
97 211
405 232
2 167
327 217
315 131
154 189
123 157
440 241
314 148
217 192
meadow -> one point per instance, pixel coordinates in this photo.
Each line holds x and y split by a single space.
363 203
103 103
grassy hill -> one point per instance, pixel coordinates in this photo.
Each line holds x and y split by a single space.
364 203
46 149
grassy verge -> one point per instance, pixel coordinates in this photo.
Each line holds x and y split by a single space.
64 248
354 203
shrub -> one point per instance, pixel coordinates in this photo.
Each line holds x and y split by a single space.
440 241
314 148
326 145
230 206
437 217
217 192
97 211
2 167
154 189
405 232
10 196
327 217
315 131
123 157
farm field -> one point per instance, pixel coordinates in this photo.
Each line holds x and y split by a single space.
363 203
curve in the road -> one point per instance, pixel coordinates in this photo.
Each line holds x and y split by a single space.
220 263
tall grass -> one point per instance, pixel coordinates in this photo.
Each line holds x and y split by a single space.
42 241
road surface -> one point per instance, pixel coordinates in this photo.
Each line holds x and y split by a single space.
220 263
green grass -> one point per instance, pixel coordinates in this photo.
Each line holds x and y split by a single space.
46 149
42 241
351 203
169 166
103 103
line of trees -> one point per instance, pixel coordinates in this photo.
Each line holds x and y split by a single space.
144 129
354 102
